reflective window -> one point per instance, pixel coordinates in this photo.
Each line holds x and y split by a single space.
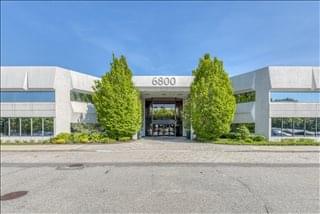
48 126
245 97
298 126
14 126
287 125
302 97
310 127
36 126
25 126
318 126
4 126
276 124
80 97
27 96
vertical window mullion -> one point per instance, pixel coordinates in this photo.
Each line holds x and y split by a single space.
19 126
42 121
9 129
31 127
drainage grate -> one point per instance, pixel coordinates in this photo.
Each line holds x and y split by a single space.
71 166
13 195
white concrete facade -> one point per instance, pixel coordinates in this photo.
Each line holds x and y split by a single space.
64 111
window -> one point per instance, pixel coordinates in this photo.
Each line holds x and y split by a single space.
4 126
14 127
318 126
36 126
80 97
245 97
25 126
310 127
296 126
250 126
294 97
27 96
276 126
48 126
287 127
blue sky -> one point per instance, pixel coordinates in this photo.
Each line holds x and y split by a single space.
159 38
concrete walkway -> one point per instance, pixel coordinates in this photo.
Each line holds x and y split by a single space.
160 150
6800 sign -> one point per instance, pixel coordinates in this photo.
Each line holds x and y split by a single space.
160 81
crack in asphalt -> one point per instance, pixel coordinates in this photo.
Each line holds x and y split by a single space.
249 189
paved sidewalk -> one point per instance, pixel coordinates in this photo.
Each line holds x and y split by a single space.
159 150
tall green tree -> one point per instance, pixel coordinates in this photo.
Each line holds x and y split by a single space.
117 101
211 104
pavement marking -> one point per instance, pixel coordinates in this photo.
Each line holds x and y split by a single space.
103 150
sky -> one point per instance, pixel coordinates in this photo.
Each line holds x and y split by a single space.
161 37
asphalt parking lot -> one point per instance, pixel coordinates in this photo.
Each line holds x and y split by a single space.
166 176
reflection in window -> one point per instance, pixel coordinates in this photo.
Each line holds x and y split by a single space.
245 97
163 111
311 127
27 96
297 126
318 126
14 126
276 126
36 126
48 126
287 127
303 97
80 97
4 126
25 126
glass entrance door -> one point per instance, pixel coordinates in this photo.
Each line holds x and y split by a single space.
163 118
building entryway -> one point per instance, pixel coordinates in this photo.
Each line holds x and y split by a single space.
163 117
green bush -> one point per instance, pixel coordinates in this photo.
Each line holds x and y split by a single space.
80 138
231 135
95 137
243 132
299 141
258 138
62 138
124 139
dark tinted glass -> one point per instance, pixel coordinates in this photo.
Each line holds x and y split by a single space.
36 126
48 126
276 126
80 97
25 126
4 126
27 96
14 126
318 126
245 97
